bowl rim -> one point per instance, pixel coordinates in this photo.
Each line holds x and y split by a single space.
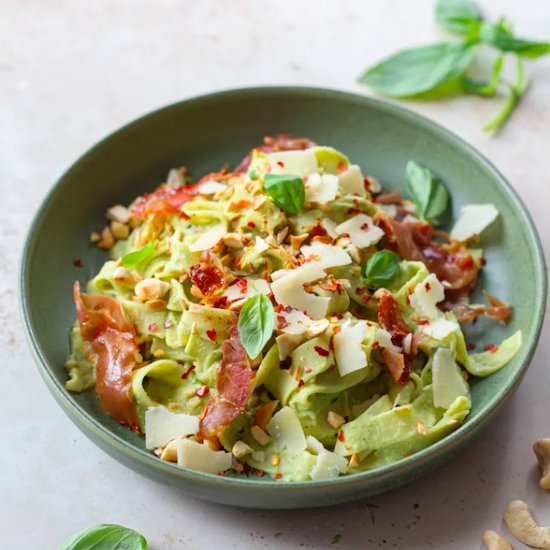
89 423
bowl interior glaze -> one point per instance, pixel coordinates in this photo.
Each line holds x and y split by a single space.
209 132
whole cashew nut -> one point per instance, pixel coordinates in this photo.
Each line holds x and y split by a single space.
521 524
494 541
542 451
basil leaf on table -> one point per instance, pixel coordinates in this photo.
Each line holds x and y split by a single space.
256 324
419 70
138 256
458 16
382 268
499 36
429 196
287 191
106 537
483 88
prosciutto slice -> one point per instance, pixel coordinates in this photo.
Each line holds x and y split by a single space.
110 342
233 386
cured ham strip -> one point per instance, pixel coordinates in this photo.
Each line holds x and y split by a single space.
165 200
390 319
233 387
110 342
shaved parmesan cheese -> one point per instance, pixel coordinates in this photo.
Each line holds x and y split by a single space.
210 187
296 322
330 227
314 445
162 426
299 163
257 286
208 239
260 245
286 431
473 219
384 341
389 209
289 291
347 348
326 255
321 188
447 380
352 181
440 328
246 288
361 230
426 295
407 343
280 273
197 456
329 465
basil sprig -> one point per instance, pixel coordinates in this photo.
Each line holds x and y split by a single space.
106 537
256 324
138 256
287 191
429 195
441 68
382 268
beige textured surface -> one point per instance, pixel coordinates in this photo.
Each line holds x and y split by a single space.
72 71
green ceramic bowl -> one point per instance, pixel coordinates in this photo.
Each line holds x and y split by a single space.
208 132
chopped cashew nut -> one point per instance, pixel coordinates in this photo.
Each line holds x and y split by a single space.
542 451
241 449
494 541
521 524
151 289
260 436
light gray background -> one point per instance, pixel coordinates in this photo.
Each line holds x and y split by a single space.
71 72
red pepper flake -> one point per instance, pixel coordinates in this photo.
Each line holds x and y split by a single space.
364 226
366 299
201 392
278 476
188 372
375 345
77 262
281 164
278 308
168 323
360 290
342 166
340 436
242 284
408 301
331 368
288 309
251 224
423 322
281 319
483 260
321 351
491 347
354 210
300 383
427 286
307 370
152 327
211 333
183 215
317 231
259 473
470 346
345 235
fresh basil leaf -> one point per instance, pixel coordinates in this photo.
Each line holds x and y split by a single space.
418 70
138 256
500 36
382 268
458 16
106 537
287 191
429 196
256 324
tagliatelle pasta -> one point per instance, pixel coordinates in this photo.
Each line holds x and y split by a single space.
282 321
